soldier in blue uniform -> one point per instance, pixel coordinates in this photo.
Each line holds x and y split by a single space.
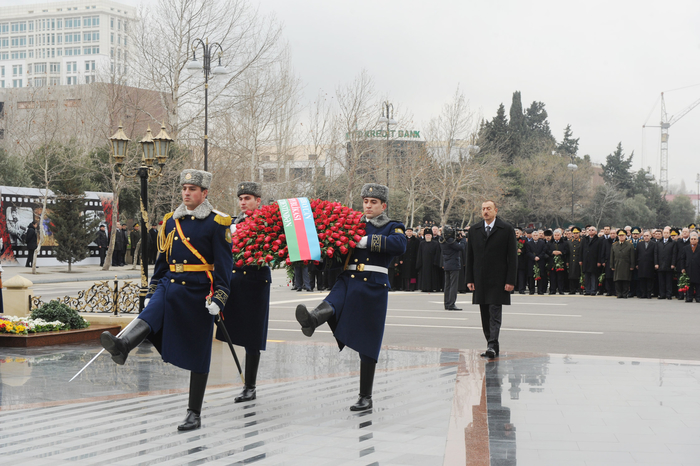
356 307
246 314
190 285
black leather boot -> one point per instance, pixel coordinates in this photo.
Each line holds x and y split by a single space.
310 320
251 374
198 384
364 402
119 347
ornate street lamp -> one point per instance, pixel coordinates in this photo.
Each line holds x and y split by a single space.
572 167
208 51
153 149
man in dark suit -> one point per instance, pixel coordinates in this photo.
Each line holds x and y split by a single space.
492 262
31 243
690 258
667 253
536 253
559 257
102 244
647 263
451 262
590 260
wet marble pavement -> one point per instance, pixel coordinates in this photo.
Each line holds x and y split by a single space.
432 407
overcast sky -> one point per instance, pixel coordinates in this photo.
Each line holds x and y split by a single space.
597 65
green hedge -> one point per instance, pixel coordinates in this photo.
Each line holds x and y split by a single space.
56 310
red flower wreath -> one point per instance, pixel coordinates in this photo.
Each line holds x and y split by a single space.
260 239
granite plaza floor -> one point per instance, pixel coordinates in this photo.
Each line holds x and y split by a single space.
432 407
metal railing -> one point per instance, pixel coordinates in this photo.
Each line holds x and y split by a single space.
100 297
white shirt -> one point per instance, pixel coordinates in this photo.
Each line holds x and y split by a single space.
490 224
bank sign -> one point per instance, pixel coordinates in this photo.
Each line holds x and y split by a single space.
392 133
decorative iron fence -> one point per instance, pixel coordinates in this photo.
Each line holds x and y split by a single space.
100 297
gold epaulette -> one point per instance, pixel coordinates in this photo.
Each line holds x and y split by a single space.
225 221
222 218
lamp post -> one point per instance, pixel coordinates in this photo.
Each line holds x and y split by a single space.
154 149
208 51
388 119
572 167
697 180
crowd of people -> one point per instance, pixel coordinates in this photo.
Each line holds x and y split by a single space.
625 262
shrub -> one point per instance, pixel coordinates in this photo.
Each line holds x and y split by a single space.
56 310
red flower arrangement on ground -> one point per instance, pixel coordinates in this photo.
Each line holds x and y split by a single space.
260 239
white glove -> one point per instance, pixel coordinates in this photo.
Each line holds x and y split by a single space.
145 302
213 308
363 243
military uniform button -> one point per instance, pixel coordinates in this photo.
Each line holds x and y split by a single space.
183 283
172 280
175 238
184 262
352 276
234 271
244 272
173 261
385 284
365 279
188 238
193 217
367 259
356 260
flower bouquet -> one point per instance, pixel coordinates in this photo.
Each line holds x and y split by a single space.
558 264
683 283
536 272
601 279
260 239
581 282
521 245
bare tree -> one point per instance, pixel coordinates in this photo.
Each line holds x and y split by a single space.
454 168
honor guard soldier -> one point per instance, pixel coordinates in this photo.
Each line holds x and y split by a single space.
246 314
190 285
356 307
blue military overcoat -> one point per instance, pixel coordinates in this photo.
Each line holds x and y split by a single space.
181 326
360 298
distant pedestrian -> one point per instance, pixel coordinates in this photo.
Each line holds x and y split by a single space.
102 244
31 243
452 262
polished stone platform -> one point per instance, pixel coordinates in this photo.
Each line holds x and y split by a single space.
432 407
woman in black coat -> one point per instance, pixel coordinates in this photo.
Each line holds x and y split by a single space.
426 263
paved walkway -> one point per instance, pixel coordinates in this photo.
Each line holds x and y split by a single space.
432 407
79 273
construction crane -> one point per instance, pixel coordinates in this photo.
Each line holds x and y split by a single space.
665 124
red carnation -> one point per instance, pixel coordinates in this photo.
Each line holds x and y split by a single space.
239 263
343 250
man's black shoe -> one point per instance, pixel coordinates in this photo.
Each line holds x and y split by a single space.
453 308
521 292
364 402
192 421
490 353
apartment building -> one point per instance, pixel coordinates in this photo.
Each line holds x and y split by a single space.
63 43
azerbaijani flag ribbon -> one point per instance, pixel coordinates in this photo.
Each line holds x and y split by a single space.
300 229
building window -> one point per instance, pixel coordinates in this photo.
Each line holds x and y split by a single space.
4 42
90 65
2 71
17 71
16 83
39 68
111 23
54 67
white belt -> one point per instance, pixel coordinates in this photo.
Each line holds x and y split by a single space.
368 268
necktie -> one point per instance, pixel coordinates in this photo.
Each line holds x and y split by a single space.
488 231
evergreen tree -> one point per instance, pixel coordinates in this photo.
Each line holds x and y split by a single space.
72 230
516 128
682 210
569 145
616 170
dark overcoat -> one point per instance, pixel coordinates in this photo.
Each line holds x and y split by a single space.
561 246
181 326
360 298
691 263
247 312
537 249
451 254
492 262
622 259
590 254
427 265
31 237
574 259
408 268
647 258
667 254
680 247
